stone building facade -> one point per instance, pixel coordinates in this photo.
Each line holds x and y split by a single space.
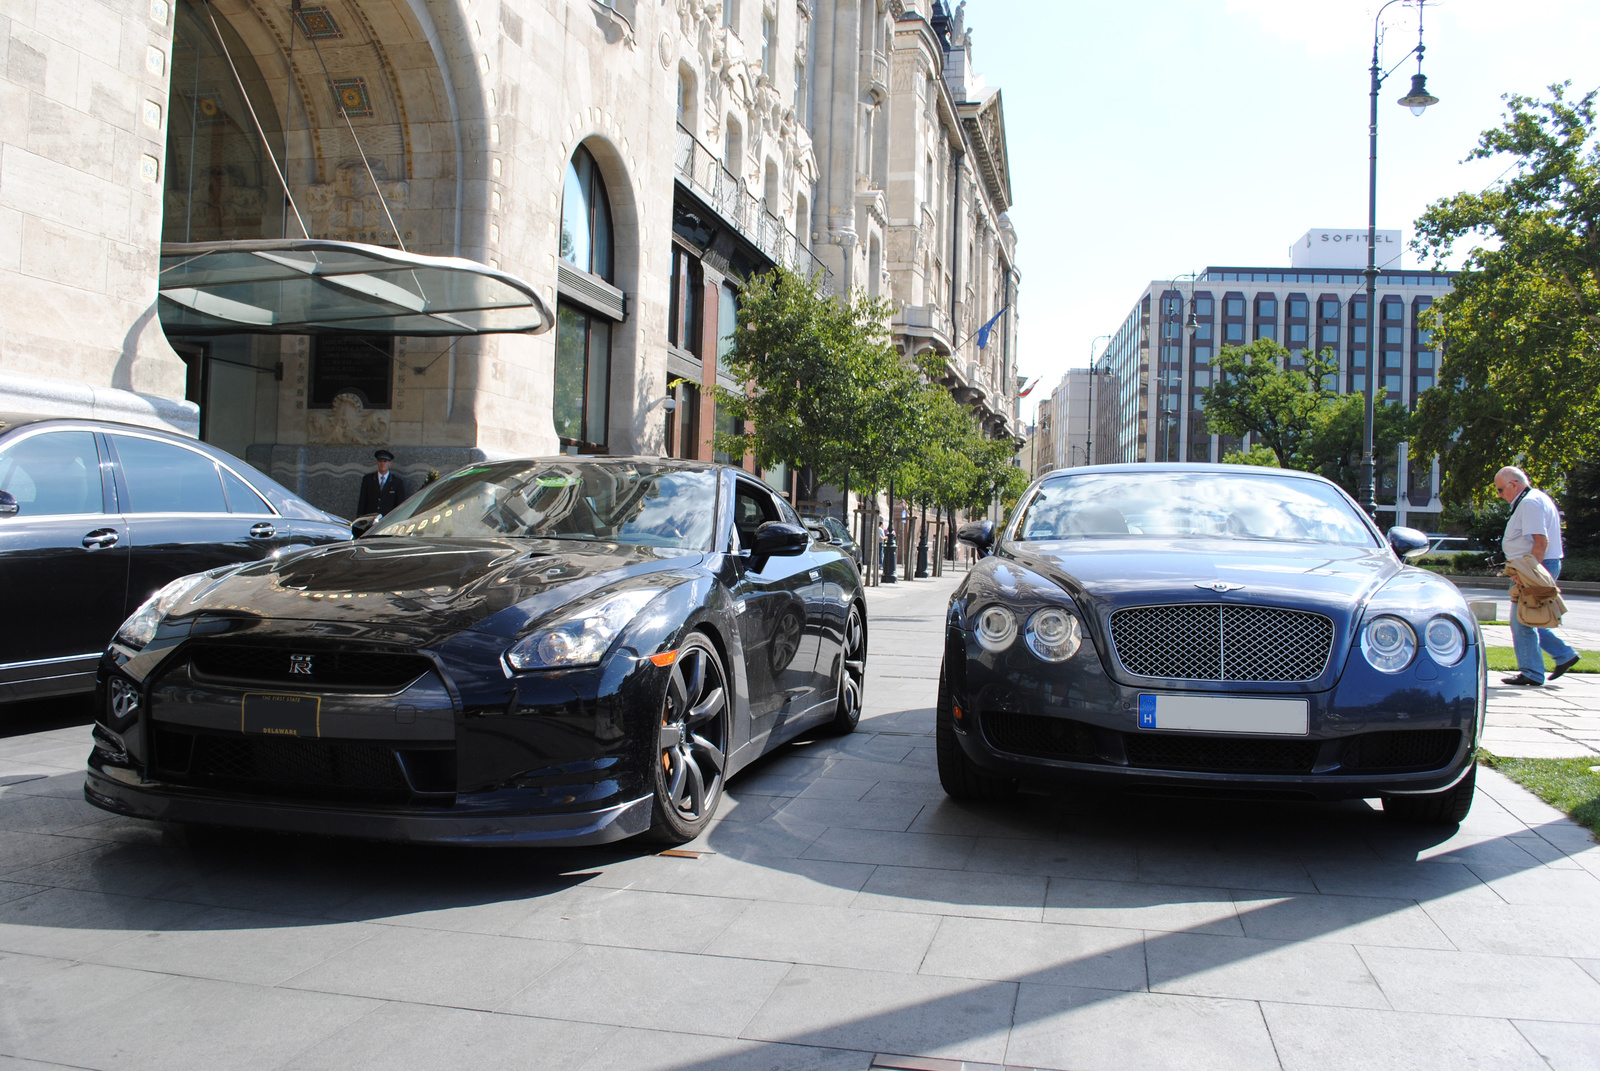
630 159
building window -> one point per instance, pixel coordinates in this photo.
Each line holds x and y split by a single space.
1297 308
1202 331
1267 308
1358 309
1424 337
769 33
1358 334
1393 359
586 217
1392 385
1391 336
1202 355
1424 383
1330 309
1202 378
1358 358
1267 331
583 377
1297 332
800 111
730 14
687 99
683 422
1202 306
1234 332
684 303
1392 310
1234 307
1330 334
727 324
1424 358
1170 306
1358 383
733 148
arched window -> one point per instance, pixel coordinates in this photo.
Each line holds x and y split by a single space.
802 220
687 100
581 406
874 267
733 148
770 188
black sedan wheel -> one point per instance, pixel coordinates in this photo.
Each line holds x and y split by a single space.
852 675
692 744
1445 808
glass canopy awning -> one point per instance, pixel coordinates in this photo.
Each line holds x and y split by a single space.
312 286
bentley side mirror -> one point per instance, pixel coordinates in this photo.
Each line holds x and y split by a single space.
1408 543
978 535
8 504
363 524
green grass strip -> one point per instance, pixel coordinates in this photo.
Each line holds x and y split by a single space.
1504 660
1567 784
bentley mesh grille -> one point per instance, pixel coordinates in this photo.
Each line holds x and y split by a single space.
1031 734
1401 749
1201 642
1223 753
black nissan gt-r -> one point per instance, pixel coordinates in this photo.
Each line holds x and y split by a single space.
562 650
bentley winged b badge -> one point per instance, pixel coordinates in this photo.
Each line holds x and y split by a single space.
1219 586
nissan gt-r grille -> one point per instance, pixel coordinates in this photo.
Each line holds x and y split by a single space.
1030 734
1220 753
1200 642
1403 749
345 669
281 766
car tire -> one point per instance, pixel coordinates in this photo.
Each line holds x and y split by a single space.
1445 808
962 778
691 749
852 675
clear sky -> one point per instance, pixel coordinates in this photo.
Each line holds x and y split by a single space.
1151 139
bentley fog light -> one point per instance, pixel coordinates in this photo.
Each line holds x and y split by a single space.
581 638
1053 635
997 627
1388 643
1445 640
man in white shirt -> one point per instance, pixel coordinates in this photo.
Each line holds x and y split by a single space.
1534 528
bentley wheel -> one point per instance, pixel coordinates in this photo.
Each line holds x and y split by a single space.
1445 808
692 743
962 778
852 675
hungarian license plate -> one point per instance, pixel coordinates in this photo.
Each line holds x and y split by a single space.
278 714
1224 714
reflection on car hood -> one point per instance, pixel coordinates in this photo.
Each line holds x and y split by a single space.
1123 572
445 585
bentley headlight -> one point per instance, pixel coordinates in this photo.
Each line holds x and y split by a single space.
581 638
1053 635
1445 640
1388 643
140 629
997 627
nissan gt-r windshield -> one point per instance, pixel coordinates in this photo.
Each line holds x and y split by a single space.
1198 505
608 501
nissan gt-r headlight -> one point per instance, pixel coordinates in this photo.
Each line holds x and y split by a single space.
1388 643
140 629
997 628
1445 640
1053 634
581 638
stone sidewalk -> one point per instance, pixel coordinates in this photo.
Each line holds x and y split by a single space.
842 914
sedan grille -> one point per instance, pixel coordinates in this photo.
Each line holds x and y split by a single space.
1402 749
1220 753
1031 734
1200 642
281 766
344 669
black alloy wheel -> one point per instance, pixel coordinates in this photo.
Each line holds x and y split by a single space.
852 675
692 743
961 778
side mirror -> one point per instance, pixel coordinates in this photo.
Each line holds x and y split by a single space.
363 524
979 535
1408 543
780 539
8 504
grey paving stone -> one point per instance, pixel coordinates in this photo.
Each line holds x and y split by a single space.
1359 920
1344 1039
1212 965
830 936
48 814
892 815
1067 856
1543 988
128 870
1137 906
668 922
1101 1030
235 946
20 852
796 881
1415 881
873 1011
15 890
895 849
655 990
657 1050
1475 925
836 788
952 892
417 1037
458 970
1543 886
1020 819
1226 870
1564 1046
774 839
73 924
1043 953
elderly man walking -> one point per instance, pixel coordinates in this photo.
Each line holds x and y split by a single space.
1534 528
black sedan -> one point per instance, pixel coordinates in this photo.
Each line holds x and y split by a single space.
567 650
1205 630
96 515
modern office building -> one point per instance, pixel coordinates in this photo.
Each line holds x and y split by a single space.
1150 394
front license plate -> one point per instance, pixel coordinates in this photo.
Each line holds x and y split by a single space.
1223 714
277 714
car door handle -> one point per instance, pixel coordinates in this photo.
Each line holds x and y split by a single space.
262 531
816 575
100 538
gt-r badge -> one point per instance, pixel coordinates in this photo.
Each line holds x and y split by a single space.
300 665
1219 586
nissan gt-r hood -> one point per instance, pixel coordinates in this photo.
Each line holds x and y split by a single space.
440 585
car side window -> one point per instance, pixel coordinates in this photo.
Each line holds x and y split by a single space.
167 478
752 507
54 473
241 499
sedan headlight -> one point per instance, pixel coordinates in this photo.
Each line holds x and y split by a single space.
1388 643
1445 640
997 628
1053 634
140 629
581 638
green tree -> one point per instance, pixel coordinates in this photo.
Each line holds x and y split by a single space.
1521 326
1256 455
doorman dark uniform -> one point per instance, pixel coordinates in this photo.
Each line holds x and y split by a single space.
384 498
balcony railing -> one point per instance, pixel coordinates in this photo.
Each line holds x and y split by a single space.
703 173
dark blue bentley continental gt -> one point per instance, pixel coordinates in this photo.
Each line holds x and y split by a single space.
566 650
1208 629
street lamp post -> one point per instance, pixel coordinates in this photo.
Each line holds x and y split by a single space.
1418 100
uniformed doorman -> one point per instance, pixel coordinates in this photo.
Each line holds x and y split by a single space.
383 490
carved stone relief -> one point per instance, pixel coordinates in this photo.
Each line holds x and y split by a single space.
348 423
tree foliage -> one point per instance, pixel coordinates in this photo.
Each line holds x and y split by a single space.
1521 327
1296 417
